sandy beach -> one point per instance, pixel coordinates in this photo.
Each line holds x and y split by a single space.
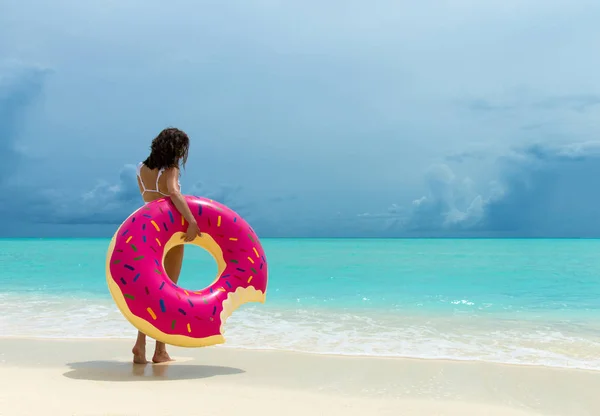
96 377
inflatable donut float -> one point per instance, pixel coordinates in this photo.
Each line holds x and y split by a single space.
165 311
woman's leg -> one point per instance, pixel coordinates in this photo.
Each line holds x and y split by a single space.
173 262
139 349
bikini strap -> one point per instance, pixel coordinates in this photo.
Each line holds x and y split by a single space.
139 175
160 172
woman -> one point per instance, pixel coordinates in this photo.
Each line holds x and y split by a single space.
158 177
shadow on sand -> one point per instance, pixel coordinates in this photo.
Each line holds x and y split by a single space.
127 371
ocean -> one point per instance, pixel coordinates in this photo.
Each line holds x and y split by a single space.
528 301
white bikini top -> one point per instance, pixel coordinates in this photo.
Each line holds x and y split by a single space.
144 190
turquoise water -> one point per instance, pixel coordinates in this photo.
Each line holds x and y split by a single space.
514 301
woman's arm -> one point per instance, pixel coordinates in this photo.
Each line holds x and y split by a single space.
172 175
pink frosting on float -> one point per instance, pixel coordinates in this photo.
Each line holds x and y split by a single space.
136 266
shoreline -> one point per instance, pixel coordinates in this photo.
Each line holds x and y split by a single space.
93 377
225 346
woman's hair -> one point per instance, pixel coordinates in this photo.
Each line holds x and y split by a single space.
167 149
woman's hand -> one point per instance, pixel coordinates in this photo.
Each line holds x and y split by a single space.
192 232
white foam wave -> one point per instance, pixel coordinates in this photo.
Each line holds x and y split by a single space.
558 344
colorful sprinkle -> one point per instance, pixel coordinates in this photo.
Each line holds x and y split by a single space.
171 217
162 305
233 239
133 247
156 262
234 261
137 276
155 225
182 311
250 279
256 252
143 227
147 291
133 219
250 237
234 219
165 226
151 312
250 258
199 209
241 270
123 281
128 239
161 286
158 242
129 296
125 232
189 328
190 302
228 284
186 292
173 324
182 220
116 261
147 216
219 221
253 270
214 310
144 238
138 258
127 266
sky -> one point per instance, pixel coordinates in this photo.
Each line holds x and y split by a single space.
345 118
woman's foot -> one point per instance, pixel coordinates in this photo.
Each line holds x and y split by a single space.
139 354
161 357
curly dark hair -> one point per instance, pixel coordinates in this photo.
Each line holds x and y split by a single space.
168 149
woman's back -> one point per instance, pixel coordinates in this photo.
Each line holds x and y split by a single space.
152 183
